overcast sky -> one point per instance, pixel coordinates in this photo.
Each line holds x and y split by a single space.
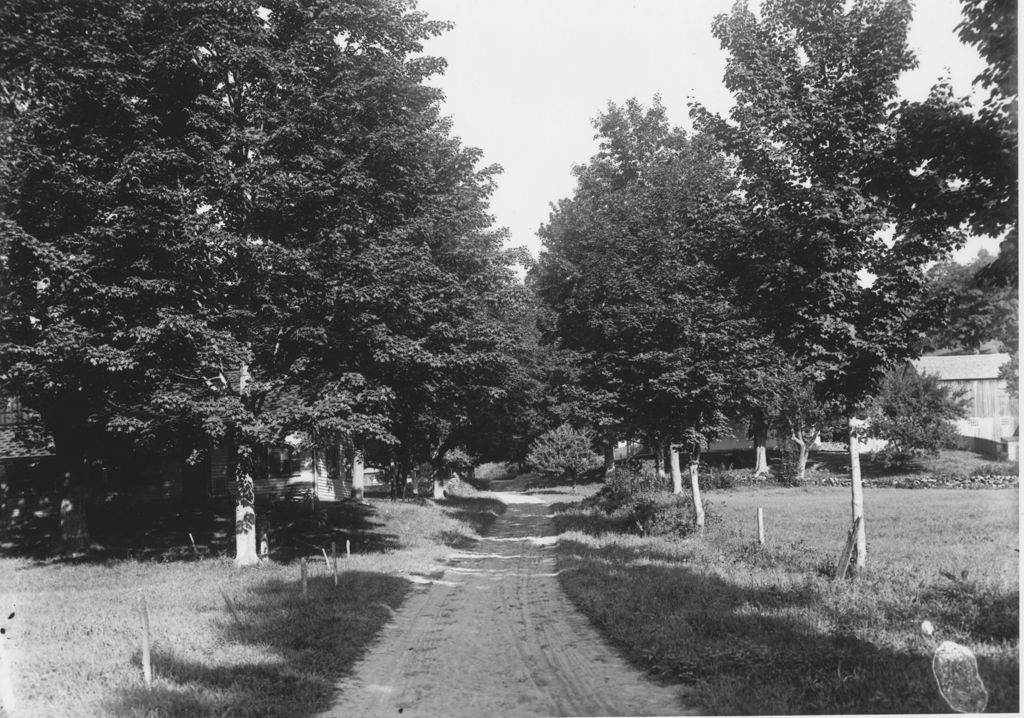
526 77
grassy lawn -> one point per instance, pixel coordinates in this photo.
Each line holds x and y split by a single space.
763 630
74 641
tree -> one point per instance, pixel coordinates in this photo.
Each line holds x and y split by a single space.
113 281
815 135
625 272
963 312
914 414
236 219
563 452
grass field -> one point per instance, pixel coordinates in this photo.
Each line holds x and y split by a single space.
74 641
764 630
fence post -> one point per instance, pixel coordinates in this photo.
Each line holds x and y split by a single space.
302 569
334 561
147 666
760 525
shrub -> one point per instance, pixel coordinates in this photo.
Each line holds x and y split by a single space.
564 451
913 413
662 514
625 485
714 478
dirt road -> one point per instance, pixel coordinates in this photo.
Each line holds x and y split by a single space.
497 636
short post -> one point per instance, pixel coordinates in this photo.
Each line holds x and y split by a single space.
334 561
760 525
231 608
327 561
195 549
348 549
847 555
147 666
302 569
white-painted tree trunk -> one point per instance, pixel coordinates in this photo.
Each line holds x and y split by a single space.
658 449
245 521
245 493
760 449
609 458
677 474
438 486
698 504
857 494
358 477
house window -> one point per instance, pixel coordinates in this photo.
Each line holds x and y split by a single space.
284 461
10 411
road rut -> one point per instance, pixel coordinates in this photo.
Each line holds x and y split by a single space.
497 636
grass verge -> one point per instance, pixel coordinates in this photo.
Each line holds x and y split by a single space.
74 641
763 630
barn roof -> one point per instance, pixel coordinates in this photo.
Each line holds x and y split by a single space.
962 367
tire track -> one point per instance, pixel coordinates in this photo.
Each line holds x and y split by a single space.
497 636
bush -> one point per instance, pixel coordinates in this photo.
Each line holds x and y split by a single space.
642 504
663 514
913 413
624 485
564 451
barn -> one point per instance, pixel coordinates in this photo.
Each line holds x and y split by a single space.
992 418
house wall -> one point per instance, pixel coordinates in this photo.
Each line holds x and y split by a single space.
290 476
992 412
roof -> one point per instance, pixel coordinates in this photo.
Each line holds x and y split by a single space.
12 448
962 367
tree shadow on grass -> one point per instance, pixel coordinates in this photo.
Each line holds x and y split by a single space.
166 532
758 649
478 512
284 658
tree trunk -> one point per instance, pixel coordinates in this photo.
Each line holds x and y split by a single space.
857 494
74 529
245 518
801 459
3 510
677 474
801 455
609 458
698 504
659 460
438 484
74 493
760 434
358 478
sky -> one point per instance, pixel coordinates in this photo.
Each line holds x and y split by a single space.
525 78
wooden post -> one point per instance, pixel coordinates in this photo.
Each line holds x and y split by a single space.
334 561
147 666
851 543
302 569
760 525
348 549
231 608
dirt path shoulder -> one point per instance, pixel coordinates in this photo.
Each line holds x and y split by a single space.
497 636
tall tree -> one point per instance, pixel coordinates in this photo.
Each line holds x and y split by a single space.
815 133
624 269
227 211
113 292
963 311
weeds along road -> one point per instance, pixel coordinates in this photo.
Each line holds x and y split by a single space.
497 636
